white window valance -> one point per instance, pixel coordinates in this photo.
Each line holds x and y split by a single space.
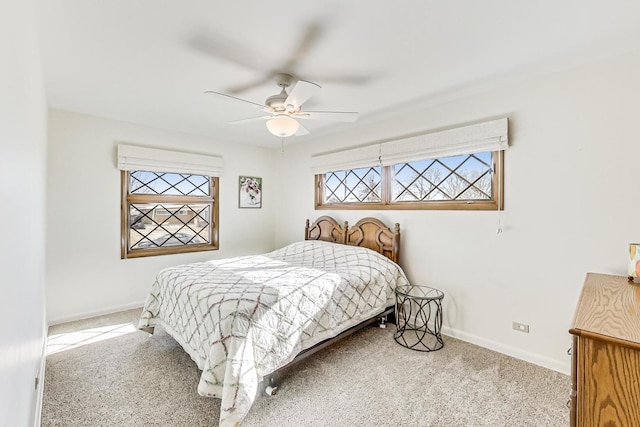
347 159
486 136
131 157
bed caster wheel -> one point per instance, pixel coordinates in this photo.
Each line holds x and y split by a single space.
271 390
383 322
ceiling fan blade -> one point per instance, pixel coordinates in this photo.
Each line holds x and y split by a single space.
219 46
262 107
245 87
334 116
342 79
301 92
312 33
301 130
249 120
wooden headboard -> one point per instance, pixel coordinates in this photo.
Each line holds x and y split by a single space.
368 232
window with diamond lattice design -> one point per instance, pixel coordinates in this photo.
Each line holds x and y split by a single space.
165 213
353 186
469 181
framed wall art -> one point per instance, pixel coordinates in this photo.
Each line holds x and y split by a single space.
250 192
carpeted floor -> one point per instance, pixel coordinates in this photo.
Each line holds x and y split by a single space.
102 372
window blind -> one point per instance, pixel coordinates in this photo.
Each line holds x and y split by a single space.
132 157
354 158
486 136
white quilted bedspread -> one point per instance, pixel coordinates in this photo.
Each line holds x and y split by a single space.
242 318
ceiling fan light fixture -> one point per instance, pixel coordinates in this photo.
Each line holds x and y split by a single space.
282 126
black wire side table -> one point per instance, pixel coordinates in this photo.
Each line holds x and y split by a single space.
419 317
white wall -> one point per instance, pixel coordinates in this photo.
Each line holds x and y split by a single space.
85 275
22 203
570 206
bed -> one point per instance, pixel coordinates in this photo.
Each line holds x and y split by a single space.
244 319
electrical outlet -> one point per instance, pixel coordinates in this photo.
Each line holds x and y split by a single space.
520 327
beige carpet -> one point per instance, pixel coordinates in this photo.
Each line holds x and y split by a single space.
107 374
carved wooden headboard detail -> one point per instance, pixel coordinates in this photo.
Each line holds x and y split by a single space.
368 232
327 229
374 234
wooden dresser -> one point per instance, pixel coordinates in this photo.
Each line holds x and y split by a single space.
605 373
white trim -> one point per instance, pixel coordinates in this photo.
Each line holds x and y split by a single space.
487 136
131 157
564 367
41 375
95 313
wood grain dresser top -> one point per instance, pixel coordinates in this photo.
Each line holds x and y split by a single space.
609 306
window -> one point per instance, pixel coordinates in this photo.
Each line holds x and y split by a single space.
362 185
166 213
455 168
468 181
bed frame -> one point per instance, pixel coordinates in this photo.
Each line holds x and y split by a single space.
369 233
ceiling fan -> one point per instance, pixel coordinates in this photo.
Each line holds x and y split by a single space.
220 46
284 108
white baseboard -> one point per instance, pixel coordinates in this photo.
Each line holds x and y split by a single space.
40 375
94 313
564 367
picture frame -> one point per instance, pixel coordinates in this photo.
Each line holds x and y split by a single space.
250 192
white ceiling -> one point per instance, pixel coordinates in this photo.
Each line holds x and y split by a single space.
149 61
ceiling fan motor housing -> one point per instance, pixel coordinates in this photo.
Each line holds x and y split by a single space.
276 102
